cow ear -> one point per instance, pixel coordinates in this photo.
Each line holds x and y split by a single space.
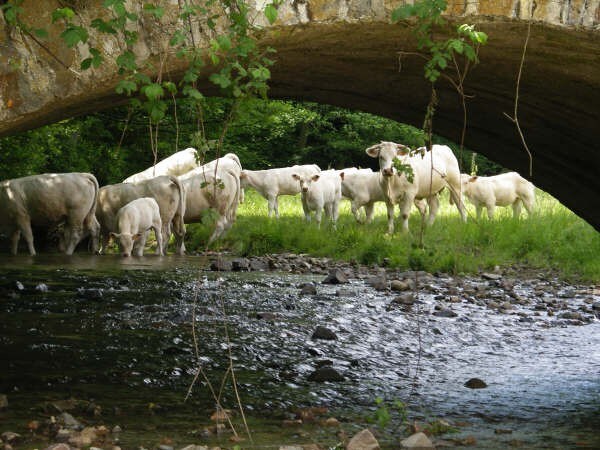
402 150
243 175
473 178
373 151
342 175
136 236
115 235
295 176
316 177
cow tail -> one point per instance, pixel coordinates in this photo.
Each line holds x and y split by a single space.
179 226
90 221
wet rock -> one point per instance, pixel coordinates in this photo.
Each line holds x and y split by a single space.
64 435
502 431
331 422
19 286
221 265
364 440
258 264
345 293
323 363
91 294
165 447
335 276
475 383
116 429
397 285
571 315
240 264
267 315
326 373
10 437
445 312
491 276
596 306
378 282
416 441
324 333
404 299
194 447
42 287
58 447
3 401
308 289
68 421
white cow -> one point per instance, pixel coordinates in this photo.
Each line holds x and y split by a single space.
48 200
499 190
432 172
166 190
322 191
204 192
229 161
134 221
272 183
362 189
176 164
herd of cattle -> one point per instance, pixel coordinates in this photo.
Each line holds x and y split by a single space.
178 190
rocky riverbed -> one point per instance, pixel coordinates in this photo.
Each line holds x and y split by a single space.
321 349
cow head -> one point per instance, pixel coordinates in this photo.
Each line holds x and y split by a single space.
126 241
387 152
305 181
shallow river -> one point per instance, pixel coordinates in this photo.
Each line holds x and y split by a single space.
119 334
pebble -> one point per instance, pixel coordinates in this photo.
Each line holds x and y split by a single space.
324 333
326 373
475 383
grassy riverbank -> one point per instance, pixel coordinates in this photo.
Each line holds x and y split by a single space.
554 238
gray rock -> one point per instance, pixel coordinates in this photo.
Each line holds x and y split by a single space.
397 285
194 447
240 264
63 435
596 306
69 421
475 383
325 373
221 265
308 289
364 440
258 264
572 315
42 287
491 276
10 437
335 276
345 293
418 441
19 286
445 312
404 299
378 282
324 333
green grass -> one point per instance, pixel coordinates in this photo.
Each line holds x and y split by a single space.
554 238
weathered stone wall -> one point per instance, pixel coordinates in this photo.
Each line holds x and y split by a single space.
345 53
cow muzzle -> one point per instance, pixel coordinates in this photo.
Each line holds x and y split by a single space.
387 172
305 189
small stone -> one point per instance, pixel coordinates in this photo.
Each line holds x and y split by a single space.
165 447
397 285
475 383
417 441
571 315
491 276
69 421
221 415
345 293
404 299
291 423
194 447
3 401
331 422
19 286
335 276
502 431
445 312
58 447
326 373
378 283
42 287
116 429
63 435
364 440
324 333
308 289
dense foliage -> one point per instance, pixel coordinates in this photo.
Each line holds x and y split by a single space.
114 144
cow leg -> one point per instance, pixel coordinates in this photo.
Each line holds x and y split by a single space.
219 227
478 208
140 244
369 210
105 238
434 204
72 236
405 206
318 216
14 241
25 229
457 199
335 212
356 210
305 208
390 215
272 204
159 240
516 207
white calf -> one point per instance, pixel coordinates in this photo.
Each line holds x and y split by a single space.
363 189
432 172
499 190
134 221
320 191
272 183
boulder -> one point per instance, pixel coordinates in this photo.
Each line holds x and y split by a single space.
445 312
417 441
397 285
240 264
364 440
404 299
308 289
335 276
325 373
324 333
475 383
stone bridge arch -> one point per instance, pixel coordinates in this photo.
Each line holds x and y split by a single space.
345 53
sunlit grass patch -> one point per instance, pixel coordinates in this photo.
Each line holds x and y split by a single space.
553 238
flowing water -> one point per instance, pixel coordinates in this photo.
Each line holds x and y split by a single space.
118 333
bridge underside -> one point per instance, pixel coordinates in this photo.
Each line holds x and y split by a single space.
357 65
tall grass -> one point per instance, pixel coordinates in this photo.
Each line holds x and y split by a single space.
553 238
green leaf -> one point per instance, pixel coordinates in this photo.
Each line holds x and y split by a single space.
157 111
481 37
403 13
156 11
220 80
193 93
153 91
40 32
141 78
126 86
73 35
170 86
271 13
177 39
224 42
86 64
103 27
62 13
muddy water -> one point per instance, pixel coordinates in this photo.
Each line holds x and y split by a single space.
119 334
